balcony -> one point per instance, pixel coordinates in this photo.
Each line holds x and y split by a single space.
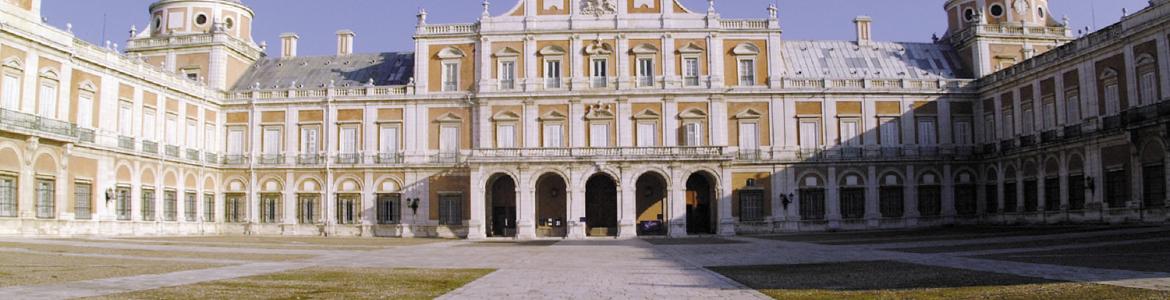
988 149
1008 145
149 147
852 152
36 124
192 154
446 158
507 85
599 82
575 154
1049 136
551 83
1112 122
86 135
211 158
1073 131
964 151
235 160
172 151
891 152
348 159
126 143
645 81
388 158
270 159
1027 140
310 159
1142 114
928 151
749 155
691 81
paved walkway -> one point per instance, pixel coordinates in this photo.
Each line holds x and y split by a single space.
603 269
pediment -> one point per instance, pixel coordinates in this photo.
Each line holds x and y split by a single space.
690 48
647 114
553 116
746 49
506 116
552 50
644 49
507 52
693 113
749 114
449 118
599 49
450 53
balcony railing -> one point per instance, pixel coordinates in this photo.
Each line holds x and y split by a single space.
150 147
348 159
446 158
1073 131
599 82
988 149
126 142
172 151
235 160
37 123
645 81
310 159
1112 122
749 155
271 159
891 152
192 154
644 153
86 135
928 151
1008 145
507 85
1049 136
388 158
1027 140
691 81
552 82
211 158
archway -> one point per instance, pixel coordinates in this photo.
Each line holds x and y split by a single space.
651 204
551 212
501 212
700 204
601 206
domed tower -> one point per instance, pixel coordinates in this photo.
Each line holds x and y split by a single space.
991 35
206 40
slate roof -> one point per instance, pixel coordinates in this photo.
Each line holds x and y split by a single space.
384 69
886 60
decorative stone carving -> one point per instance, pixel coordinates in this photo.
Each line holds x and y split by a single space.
1021 6
598 7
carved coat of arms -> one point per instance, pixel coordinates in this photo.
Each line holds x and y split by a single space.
598 7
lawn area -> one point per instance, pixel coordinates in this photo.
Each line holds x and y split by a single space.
281 242
1036 243
34 269
1146 257
149 253
894 280
921 235
323 283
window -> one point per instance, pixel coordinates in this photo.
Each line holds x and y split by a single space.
1010 199
1076 192
234 208
600 72
965 202
647 136
997 10
751 205
388 139
172 129
209 142
149 130
969 14
1027 124
11 90
890 198
850 128
348 209
235 141
1031 195
989 134
1149 88
272 140
192 134
208 208
201 20
890 135
554 135
125 119
991 192
1052 194
147 204
450 76
853 203
310 140
507 75
308 208
450 209
122 203
963 134
189 206
747 72
927 132
693 134
389 208
929 200
83 199
1072 106
1116 188
7 196
48 99
552 73
46 202
691 71
1154 186
599 135
1009 125
349 138
85 109
812 204
1112 98
810 134
270 208
1049 115
645 72
170 205
506 136
449 139
749 136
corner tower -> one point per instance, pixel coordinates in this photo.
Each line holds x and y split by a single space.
991 35
205 40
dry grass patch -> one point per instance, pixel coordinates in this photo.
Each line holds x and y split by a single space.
323 283
285 242
35 269
894 280
67 249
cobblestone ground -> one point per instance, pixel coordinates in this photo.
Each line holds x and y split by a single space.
613 269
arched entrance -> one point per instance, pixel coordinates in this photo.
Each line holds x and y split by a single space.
700 204
601 206
551 213
651 204
501 204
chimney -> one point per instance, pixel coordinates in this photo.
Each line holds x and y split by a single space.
288 45
345 42
863 29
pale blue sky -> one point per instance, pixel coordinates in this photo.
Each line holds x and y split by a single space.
387 25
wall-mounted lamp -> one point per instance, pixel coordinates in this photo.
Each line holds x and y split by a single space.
413 204
786 200
1090 184
109 194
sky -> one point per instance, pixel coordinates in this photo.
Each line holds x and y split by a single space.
387 25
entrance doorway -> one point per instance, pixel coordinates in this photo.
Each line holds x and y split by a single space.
501 212
551 212
700 204
651 204
601 206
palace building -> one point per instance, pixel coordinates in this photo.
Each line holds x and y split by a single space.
582 118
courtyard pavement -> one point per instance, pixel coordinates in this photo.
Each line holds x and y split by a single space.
644 269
